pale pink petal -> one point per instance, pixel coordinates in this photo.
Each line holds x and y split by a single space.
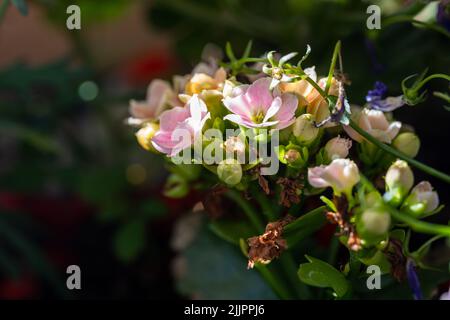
258 94
170 118
157 93
288 108
315 177
239 105
141 110
274 108
393 129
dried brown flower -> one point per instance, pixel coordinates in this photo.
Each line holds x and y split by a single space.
342 219
290 191
270 245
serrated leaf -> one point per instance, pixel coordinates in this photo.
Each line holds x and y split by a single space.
318 273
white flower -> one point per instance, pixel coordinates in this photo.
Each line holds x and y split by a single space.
341 175
375 123
423 199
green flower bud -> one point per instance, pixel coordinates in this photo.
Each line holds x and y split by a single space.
399 180
422 200
176 187
145 134
304 129
229 171
408 143
373 225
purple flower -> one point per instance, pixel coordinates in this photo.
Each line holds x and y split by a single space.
378 92
413 280
376 99
256 106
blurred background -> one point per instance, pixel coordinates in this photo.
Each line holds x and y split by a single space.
76 188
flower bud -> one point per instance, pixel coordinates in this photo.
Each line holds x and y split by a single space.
145 134
176 187
422 200
304 129
373 225
229 171
399 180
408 143
337 148
341 175
292 155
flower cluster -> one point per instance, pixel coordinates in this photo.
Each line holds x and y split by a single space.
289 115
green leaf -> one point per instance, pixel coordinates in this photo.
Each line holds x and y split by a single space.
329 203
231 231
318 273
129 240
21 5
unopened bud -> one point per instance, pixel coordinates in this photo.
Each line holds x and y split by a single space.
145 134
399 180
234 145
337 148
373 225
408 143
229 171
422 200
304 129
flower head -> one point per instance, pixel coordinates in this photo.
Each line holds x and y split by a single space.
341 175
376 99
338 148
177 124
422 199
256 106
159 95
399 180
375 123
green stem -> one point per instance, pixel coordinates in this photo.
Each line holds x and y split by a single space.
272 279
265 206
316 86
274 283
430 26
337 51
248 210
418 225
419 165
431 77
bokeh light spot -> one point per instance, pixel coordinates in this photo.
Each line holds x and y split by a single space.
88 90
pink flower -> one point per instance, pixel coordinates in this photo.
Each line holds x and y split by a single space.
341 175
255 106
375 123
159 95
180 126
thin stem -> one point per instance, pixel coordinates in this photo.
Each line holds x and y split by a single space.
247 208
316 86
418 225
274 283
265 206
337 51
430 26
419 165
431 77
